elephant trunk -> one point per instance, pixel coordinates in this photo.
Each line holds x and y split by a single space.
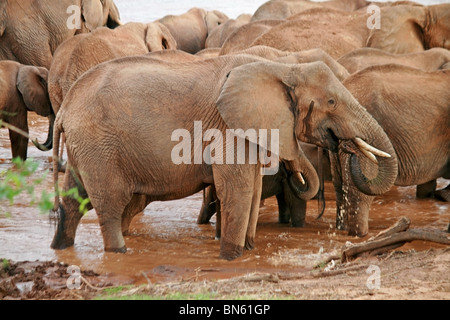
377 148
303 182
48 144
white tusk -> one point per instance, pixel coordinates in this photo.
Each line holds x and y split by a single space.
362 145
299 176
369 155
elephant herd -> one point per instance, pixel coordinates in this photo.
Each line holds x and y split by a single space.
162 110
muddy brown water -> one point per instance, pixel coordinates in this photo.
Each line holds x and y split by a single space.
166 244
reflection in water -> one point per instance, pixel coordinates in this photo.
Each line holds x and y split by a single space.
167 244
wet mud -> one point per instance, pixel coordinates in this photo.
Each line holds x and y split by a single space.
166 244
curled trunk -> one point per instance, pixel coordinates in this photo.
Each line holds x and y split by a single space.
303 180
48 144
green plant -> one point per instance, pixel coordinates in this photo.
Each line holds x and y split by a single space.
24 179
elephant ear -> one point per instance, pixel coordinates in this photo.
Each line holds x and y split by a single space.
158 37
401 30
113 16
214 19
92 11
257 96
32 84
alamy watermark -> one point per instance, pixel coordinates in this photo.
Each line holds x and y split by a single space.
374 280
74 20
374 21
190 149
74 280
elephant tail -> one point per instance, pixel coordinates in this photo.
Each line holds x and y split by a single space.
56 141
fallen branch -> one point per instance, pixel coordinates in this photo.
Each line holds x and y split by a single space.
392 238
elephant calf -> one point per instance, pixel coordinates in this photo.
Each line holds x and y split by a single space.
23 89
125 120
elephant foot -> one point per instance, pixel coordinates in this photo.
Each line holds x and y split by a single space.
62 166
357 233
443 194
249 244
60 243
298 224
230 251
426 190
117 250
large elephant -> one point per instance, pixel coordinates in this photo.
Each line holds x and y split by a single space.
292 204
192 28
428 60
403 29
82 52
415 114
283 9
23 89
31 30
140 130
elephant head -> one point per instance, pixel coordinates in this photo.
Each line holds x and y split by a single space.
306 102
97 13
32 85
412 28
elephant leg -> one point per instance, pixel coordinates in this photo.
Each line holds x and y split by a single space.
137 204
110 201
69 214
19 145
341 215
235 190
444 195
208 208
426 190
352 205
218 220
298 212
254 212
284 214
295 207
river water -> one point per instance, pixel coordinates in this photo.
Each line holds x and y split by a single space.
150 10
165 242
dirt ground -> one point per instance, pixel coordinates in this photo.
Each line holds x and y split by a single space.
423 275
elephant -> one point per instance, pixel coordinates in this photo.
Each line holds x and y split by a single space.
24 88
288 201
428 60
338 32
297 57
217 37
415 114
82 52
31 30
129 125
412 28
192 28
243 36
283 9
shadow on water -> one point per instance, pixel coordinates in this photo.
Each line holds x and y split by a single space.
166 243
